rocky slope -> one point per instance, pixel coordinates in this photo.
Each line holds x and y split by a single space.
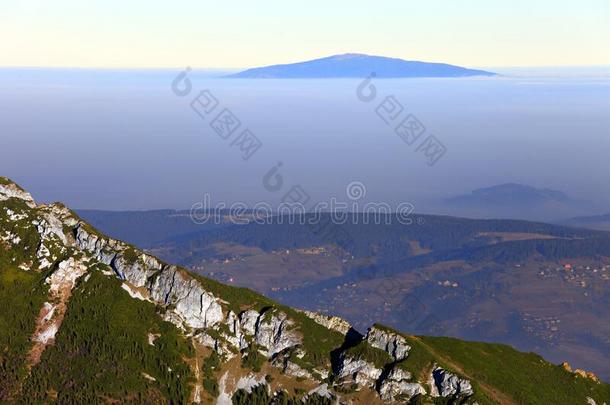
95 320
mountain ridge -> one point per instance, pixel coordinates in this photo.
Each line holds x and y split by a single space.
355 65
191 329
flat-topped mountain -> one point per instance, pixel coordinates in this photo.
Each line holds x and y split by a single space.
513 200
90 319
358 66
510 194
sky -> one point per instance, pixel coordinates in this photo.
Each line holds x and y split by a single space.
216 34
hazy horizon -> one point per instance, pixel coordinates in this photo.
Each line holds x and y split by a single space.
108 139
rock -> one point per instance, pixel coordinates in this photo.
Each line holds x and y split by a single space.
197 307
236 336
330 322
282 361
167 285
397 383
591 401
321 390
64 278
219 345
8 189
272 330
357 371
248 321
446 384
582 373
294 370
275 332
392 343
586 374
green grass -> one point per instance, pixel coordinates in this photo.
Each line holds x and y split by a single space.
21 297
364 351
253 360
210 365
525 377
102 350
130 255
25 250
259 396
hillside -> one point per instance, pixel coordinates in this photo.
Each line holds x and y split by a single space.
358 66
597 222
95 320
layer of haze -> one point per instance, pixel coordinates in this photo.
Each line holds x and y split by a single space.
471 33
122 140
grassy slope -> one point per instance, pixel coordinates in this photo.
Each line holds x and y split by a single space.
102 351
526 378
23 294
499 371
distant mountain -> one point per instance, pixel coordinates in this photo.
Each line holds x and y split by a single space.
510 194
512 200
358 65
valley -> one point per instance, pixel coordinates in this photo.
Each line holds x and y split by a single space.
538 287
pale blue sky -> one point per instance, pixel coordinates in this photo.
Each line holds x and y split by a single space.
112 33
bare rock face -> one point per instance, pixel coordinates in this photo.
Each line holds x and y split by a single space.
8 189
104 250
236 337
113 253
218 343
167 285
275 332
357 371
392 343
197 307
272 330
322 391
282 361
330 322
446 384
248 320
397 383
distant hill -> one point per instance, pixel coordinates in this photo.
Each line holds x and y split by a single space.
143 228
358 65
512 200
510 194
597 222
